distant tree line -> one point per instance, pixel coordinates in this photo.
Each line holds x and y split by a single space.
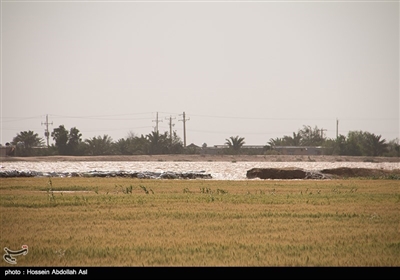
356 143
69 142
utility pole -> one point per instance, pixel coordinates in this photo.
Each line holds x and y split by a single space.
184 128
170 128
46 131
337 128
157 121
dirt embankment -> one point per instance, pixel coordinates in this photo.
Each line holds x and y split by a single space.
217 158
341 172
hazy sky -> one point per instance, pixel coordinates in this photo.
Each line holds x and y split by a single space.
259 70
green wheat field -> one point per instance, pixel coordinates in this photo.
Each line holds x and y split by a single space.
133 222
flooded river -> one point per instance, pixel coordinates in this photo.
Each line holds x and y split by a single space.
218 170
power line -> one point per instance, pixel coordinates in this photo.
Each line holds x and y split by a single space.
100 116
13 119
112 117
260 118
103 118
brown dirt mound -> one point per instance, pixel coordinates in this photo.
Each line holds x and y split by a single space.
342 172
276 173
360 172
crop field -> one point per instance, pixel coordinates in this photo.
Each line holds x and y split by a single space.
133 222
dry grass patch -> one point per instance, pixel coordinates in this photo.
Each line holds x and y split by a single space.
132 222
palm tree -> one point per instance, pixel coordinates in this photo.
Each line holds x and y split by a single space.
275 142
393 148
158 143
375 146
28 139
235 143
122 146
296 139
310 136
176 145
60 136
292 141
100 145
74 140
354 143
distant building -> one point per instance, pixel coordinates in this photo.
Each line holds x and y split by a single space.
257 150
254 149
6 150
299 150
193 149
223 149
